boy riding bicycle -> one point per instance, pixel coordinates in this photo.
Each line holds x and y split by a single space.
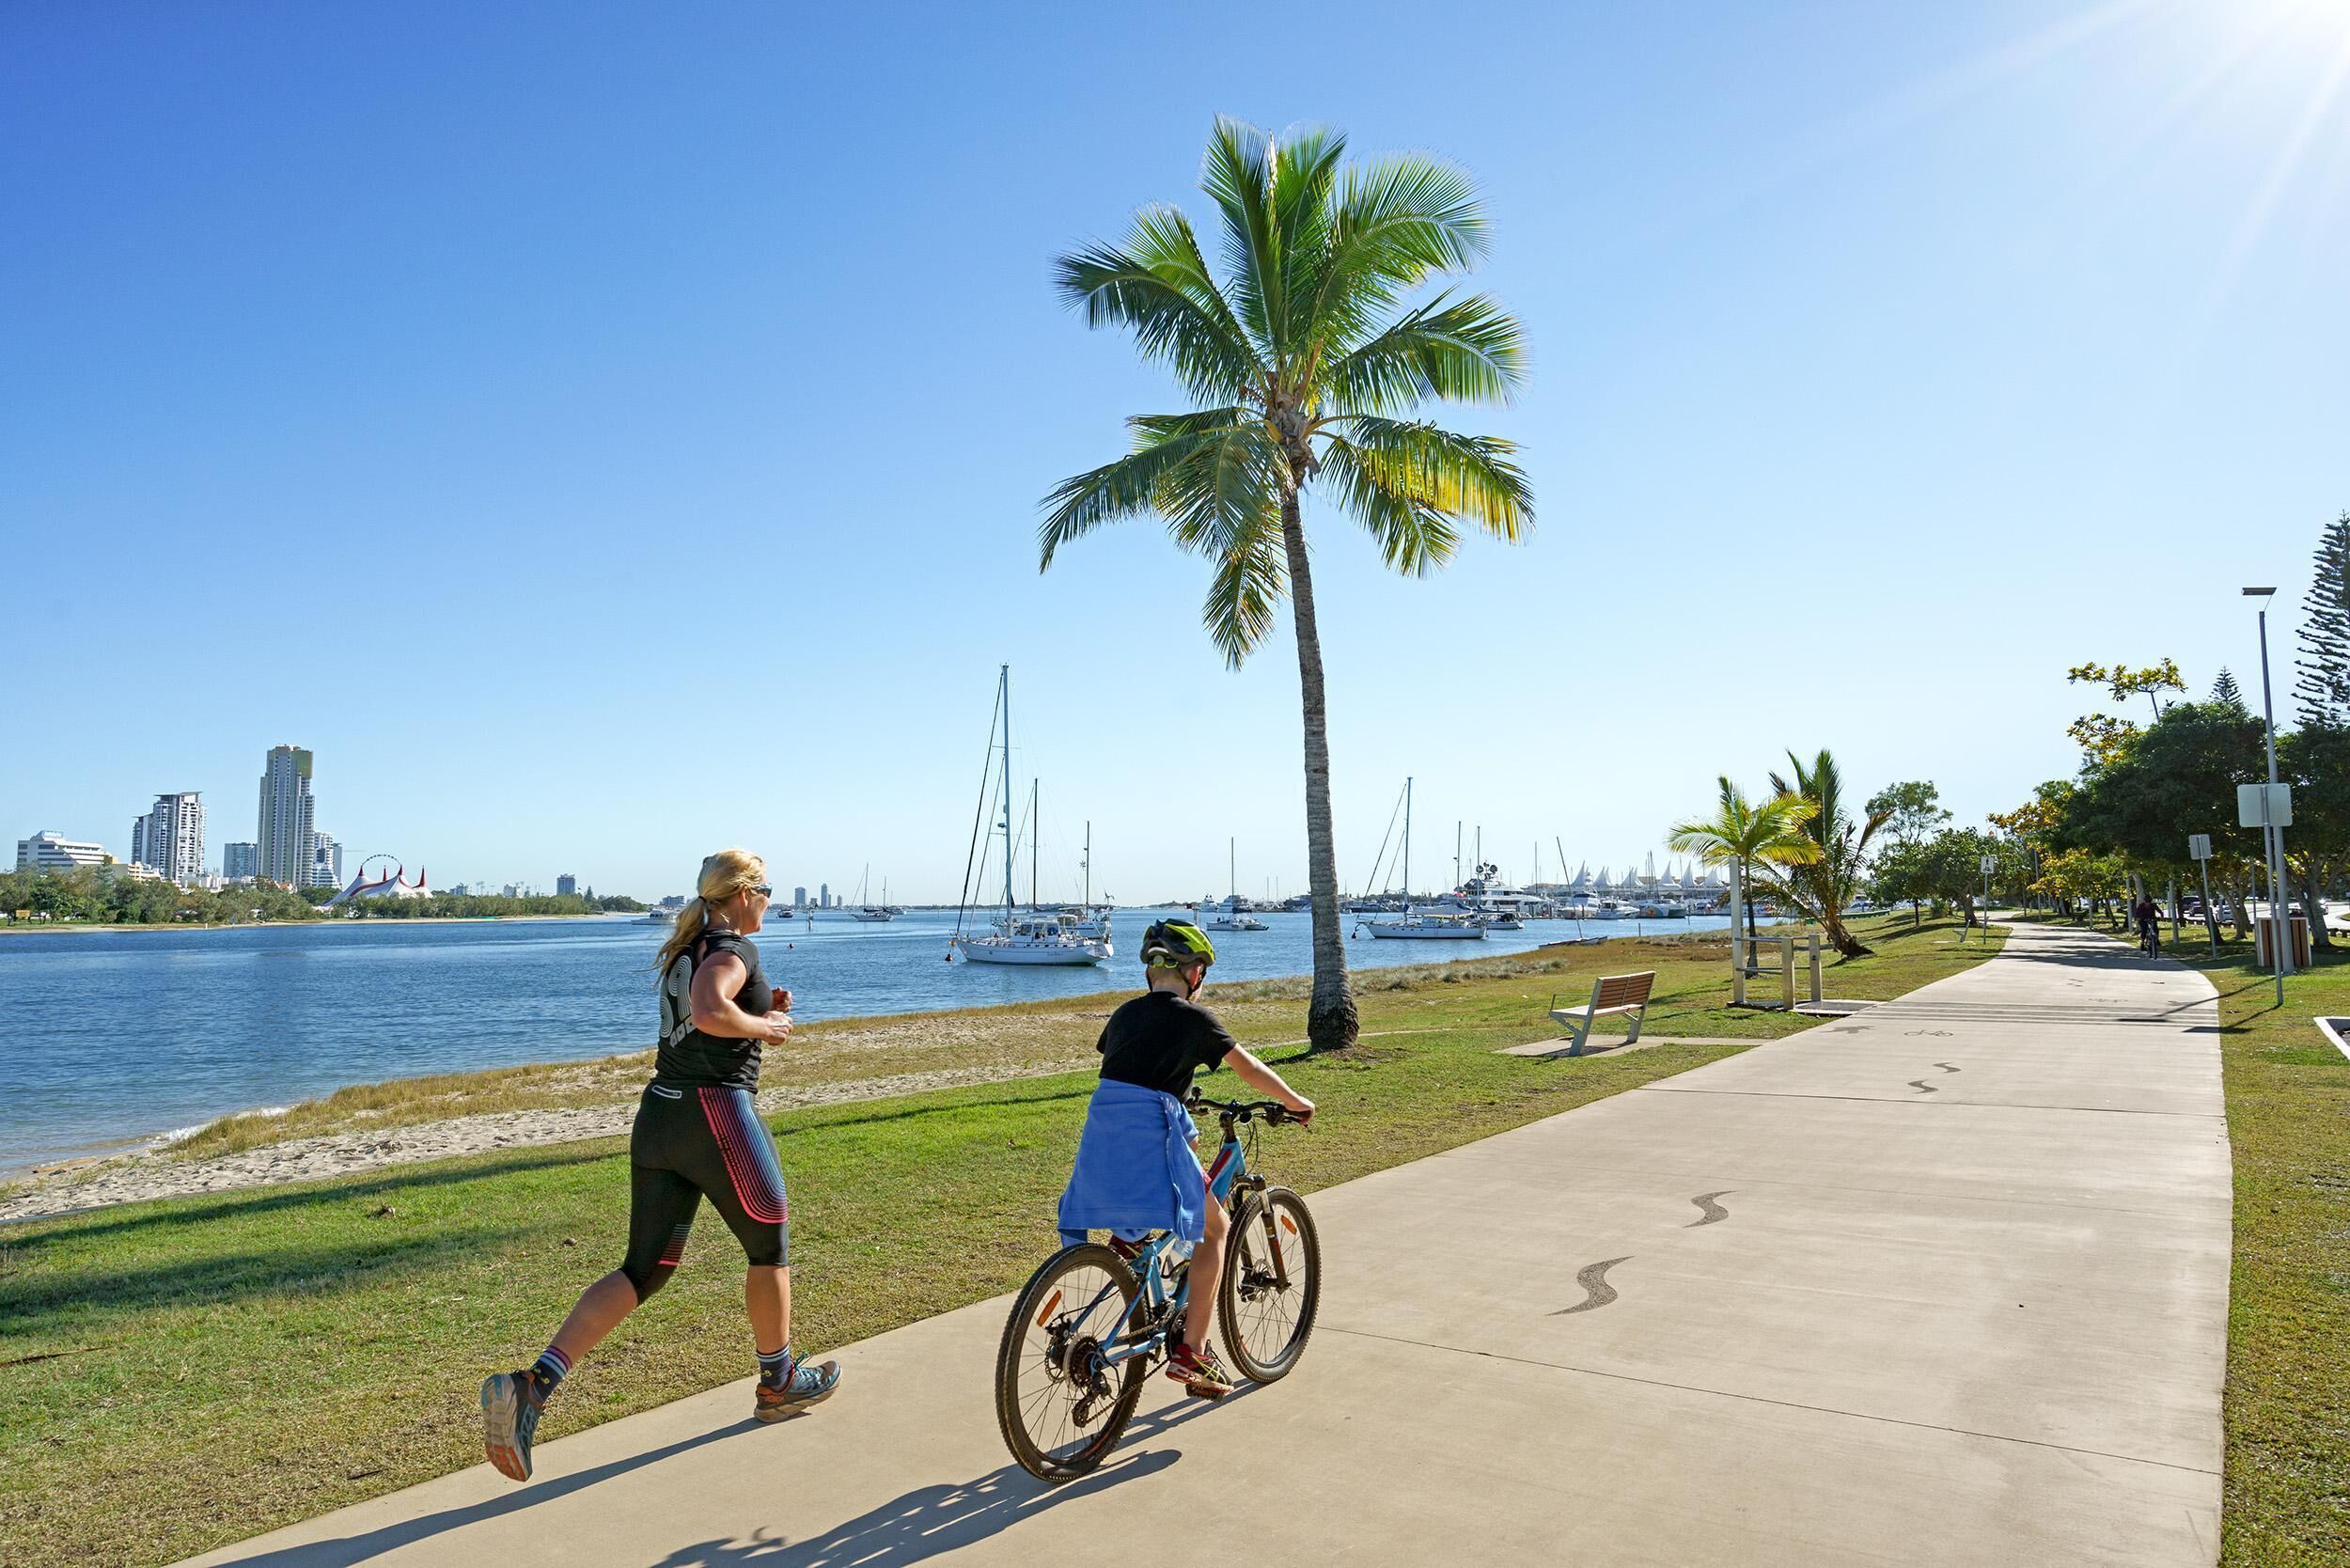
1136 1169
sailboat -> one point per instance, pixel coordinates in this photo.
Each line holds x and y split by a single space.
870 912
1037 936
1415 926
1235 916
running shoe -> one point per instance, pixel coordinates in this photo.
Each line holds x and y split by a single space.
511 1406
1199 1371
807 1385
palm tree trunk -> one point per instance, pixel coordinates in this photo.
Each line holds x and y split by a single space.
1330 1024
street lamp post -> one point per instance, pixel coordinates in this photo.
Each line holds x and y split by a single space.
2276 838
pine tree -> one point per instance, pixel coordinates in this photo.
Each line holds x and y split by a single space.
2324 687
2226 692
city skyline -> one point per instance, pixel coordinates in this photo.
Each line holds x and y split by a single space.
1856 340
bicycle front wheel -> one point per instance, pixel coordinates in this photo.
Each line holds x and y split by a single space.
1272 1284
1060 1404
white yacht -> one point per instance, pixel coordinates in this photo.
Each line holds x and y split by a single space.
1232 914
870 913
1039 934
1415 926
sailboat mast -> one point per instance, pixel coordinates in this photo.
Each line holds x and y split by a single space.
1004 690
1408 839
1088 865
1231 873
1036 835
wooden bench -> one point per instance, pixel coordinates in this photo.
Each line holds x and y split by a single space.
1609 993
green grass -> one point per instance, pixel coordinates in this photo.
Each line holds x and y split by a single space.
2288 1399
179 1374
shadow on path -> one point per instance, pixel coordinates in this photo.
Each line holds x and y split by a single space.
918 1525
351 1549
931 1521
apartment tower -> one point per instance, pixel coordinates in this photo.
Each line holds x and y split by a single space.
169 839
287 837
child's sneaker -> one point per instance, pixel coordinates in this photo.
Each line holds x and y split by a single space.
1199 1371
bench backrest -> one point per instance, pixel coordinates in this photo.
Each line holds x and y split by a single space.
1623 990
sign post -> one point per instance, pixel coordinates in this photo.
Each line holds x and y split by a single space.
2269 808
1988 863
2199 851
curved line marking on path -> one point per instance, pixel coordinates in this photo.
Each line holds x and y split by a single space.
1945 1067
1923 1087
1597 1291
1713 1210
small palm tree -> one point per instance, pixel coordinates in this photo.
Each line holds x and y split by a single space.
1304 365
1821 887
1743 836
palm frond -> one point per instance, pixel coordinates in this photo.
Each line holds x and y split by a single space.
1305 175
1436 471
1415 536
1467 350
1238 175
1251 577
1158 285
1396 223
1130 487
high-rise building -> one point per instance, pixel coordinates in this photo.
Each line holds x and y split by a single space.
286 836
49 852
326 862
566 885
824 895
239 862
169 839
799 897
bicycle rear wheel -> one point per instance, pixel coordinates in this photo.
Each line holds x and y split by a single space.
1272 1284
1061 1406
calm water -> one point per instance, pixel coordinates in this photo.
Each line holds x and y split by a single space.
111 1038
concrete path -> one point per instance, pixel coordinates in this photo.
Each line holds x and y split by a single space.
1942 1283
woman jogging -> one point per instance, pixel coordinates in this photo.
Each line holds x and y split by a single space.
698 1135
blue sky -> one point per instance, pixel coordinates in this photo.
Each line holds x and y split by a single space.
606 432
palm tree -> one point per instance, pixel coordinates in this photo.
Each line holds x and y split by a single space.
1303 361
1821 887
1743 835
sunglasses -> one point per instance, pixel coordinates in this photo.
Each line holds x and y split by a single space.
762 890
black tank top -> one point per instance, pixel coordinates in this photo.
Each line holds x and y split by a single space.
690 1058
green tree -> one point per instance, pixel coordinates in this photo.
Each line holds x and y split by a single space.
1912 810
1304 364
2322 687
1824 884
2225 692
2174 779
1745 835
2316 760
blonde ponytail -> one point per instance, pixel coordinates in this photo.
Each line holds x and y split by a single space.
723 875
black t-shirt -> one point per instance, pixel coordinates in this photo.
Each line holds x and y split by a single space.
697 1059
1159 1040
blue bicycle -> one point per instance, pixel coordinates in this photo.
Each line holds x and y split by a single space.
1092 1321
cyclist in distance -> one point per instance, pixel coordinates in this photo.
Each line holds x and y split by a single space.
1136 1169
698 1135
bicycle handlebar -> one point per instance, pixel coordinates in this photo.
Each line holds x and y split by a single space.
1273 1112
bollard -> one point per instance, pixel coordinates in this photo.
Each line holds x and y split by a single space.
1815 968
1787 973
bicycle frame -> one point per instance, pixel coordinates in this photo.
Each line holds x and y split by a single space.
1142 1330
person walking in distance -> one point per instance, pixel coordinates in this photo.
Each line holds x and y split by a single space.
698 1135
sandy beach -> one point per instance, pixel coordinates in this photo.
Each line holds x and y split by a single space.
157 1173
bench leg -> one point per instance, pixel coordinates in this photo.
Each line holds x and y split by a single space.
1580 1036
1637 1019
